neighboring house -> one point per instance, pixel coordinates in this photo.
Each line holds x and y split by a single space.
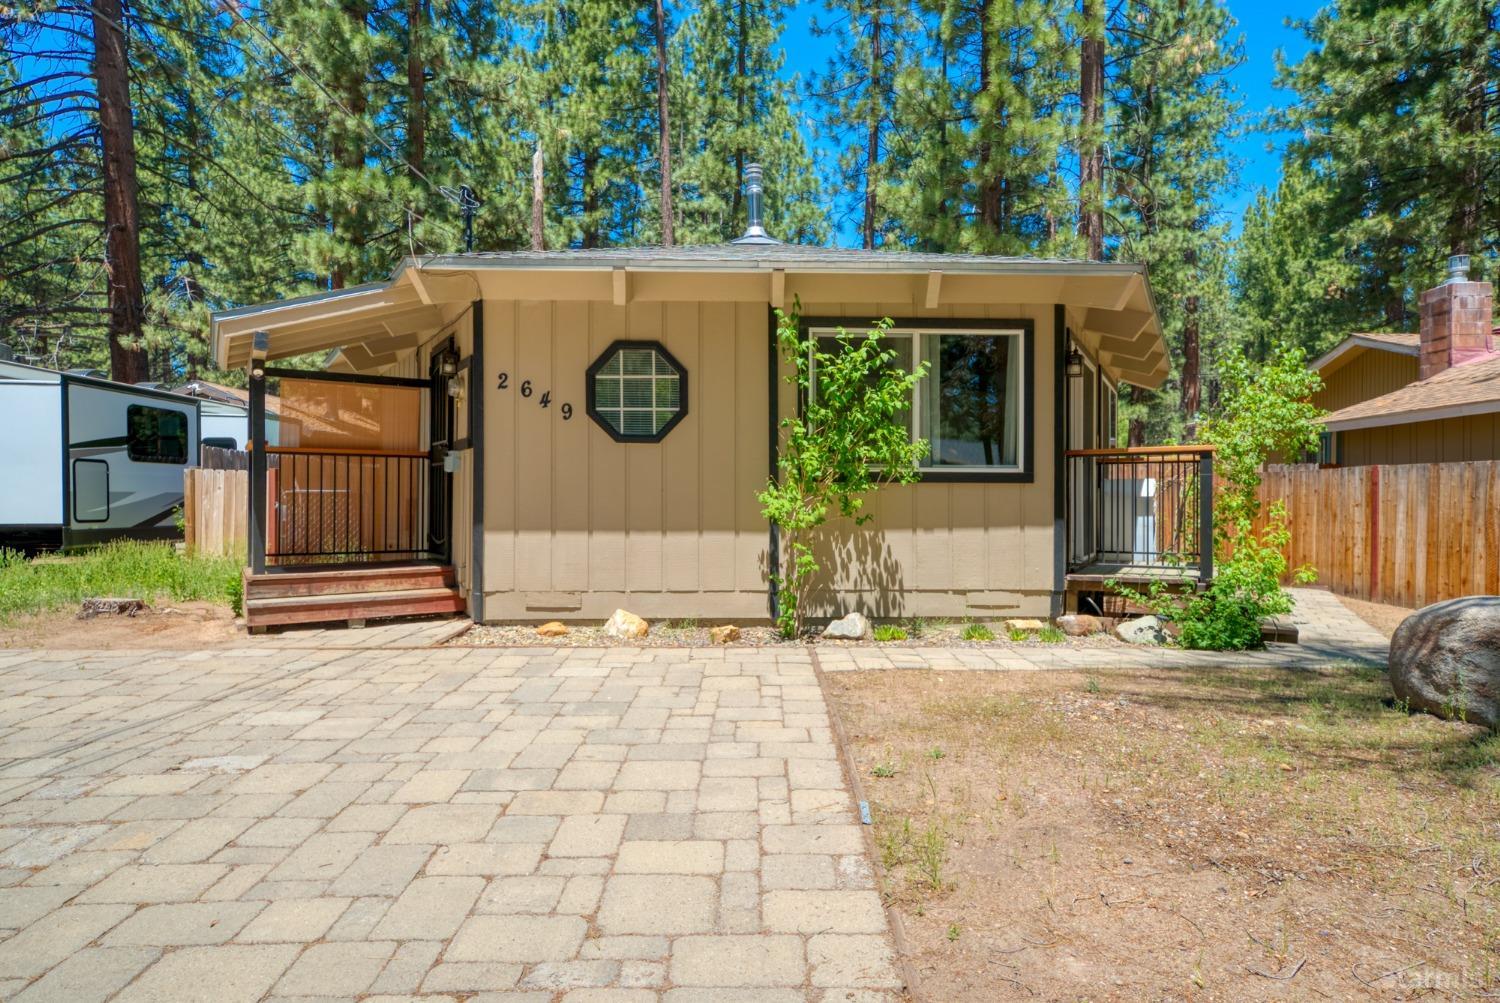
1432 397
574 431
225 413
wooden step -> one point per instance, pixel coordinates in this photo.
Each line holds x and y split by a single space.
351 606
348 581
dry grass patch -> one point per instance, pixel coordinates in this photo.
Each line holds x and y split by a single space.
1172 835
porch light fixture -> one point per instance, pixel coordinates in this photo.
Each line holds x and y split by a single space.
1075 362
447 365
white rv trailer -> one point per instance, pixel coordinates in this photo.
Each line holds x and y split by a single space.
84 460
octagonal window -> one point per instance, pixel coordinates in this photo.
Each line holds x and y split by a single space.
637 391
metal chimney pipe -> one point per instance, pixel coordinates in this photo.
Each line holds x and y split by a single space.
755 232
1458 268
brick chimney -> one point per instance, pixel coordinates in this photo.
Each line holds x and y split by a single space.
1457 324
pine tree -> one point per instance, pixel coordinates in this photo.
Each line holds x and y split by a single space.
1173 109
1397 117
732 107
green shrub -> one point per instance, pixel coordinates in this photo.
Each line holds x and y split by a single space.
889 632
130 569
978 632
1051 635
1263 413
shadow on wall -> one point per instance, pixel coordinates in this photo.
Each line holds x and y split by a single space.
859 572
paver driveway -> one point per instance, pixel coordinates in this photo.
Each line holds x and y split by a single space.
579 825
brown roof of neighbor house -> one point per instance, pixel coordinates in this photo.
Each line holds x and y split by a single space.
1471 388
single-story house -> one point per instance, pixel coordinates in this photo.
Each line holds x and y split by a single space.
571 431
1431 397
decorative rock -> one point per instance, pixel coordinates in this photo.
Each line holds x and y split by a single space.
853 627
1142 630
1080 624
1025 626
626 625
725 634
553 628
1445 659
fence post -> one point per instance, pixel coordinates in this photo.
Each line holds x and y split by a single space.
1206 517
257 492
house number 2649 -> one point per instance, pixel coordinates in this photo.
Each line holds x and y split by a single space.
526 391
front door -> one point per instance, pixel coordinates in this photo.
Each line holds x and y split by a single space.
439 480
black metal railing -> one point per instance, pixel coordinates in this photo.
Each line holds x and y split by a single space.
346 506
1142 508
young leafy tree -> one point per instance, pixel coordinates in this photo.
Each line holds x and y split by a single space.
847 442
1265 411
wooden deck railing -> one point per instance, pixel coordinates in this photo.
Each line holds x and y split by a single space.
1141 508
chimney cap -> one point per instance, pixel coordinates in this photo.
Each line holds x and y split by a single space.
1458 268
755 231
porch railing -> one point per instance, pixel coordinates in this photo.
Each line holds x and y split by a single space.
1141 509
346 506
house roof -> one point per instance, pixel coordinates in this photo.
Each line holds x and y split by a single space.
1115 312
1470 388
1354 345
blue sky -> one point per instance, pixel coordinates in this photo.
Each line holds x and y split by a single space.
1264 31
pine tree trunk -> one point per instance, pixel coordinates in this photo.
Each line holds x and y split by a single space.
665 125
1091 148
538 204
590 200
127 296
989 185
872 142
741 65
1191 365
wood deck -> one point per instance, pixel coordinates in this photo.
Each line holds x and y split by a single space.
331 595
1133 574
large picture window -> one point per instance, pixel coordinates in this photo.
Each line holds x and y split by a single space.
156 434
971 405
637 392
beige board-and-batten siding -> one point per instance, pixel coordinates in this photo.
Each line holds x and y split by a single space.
577 524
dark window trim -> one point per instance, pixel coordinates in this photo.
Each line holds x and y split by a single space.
599 363
319 374
1027 473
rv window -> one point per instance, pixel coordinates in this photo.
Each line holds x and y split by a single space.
156 435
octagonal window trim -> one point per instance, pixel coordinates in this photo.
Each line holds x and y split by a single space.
615 405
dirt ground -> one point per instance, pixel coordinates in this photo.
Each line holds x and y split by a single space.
1258 835
1383 618
164 625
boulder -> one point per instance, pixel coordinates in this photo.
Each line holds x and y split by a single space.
1024 626
725 634
553 628
110 607
626 625
1142 630
1445 659
853 627
1080 624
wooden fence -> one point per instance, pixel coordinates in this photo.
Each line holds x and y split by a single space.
1407 535
215 506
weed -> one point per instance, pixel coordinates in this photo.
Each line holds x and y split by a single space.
1051 635
1017 635
936 753
885 770
978 632
932 854
1092 685
889 632
131 569
954 932
893 843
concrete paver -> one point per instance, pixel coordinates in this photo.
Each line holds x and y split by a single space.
280 822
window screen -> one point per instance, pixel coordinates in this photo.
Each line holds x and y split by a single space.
637 391
156 435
